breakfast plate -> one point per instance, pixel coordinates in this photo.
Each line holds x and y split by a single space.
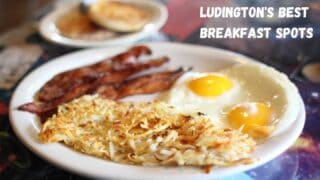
49 30
202 59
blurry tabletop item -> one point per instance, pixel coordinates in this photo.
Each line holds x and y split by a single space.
93 26
22 49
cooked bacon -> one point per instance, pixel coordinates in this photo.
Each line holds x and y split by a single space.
131 55
113 77
109 91
64 82
146 84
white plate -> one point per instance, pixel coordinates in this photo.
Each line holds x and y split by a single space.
50 32
201 58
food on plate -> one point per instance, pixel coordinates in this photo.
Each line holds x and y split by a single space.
110 78
76 25
147 84
210 85
63 82
115 76
103 20
118 16
254 118
253 97
145 133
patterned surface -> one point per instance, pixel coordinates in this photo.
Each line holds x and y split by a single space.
301 161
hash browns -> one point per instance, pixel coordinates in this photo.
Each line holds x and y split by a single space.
145 133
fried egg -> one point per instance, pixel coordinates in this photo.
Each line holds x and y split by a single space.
253 97
203 93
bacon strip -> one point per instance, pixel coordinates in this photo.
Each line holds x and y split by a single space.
147 84
116 76
64 82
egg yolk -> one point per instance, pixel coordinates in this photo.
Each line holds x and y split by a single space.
210 86
250 116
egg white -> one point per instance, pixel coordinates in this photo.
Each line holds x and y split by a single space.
265 84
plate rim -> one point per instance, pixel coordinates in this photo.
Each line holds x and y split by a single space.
56 38
58 164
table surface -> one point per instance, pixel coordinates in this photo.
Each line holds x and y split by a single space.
22 50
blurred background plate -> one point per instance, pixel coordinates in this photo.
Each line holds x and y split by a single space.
49 30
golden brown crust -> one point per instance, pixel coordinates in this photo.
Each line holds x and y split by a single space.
152 133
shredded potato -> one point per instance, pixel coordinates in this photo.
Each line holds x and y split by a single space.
153 133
